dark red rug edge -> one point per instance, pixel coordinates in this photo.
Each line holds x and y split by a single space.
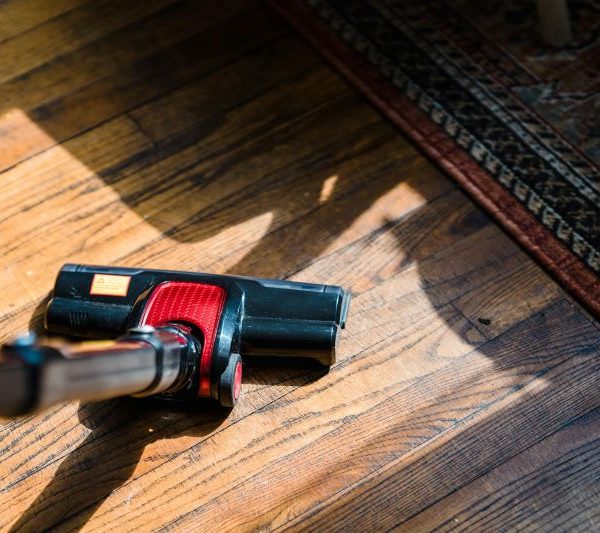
521 225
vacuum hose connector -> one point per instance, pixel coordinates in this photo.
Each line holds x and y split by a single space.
144 362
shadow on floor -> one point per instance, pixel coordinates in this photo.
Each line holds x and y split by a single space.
119 431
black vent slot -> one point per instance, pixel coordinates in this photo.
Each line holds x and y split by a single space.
78 321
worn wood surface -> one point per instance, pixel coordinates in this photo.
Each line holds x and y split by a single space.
207 136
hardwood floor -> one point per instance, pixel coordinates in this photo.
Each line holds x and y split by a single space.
208 136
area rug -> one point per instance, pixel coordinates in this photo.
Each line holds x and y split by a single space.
514 121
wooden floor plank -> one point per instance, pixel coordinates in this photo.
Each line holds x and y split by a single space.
70 30
529 412
218 141
134 81
19 16
92 84
555 481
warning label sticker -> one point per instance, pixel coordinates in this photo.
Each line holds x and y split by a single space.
110 285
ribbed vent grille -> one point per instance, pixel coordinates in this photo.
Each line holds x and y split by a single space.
78 321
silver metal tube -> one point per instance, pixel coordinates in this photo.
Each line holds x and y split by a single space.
147 361
119 369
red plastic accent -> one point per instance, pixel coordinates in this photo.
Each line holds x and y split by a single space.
237 381
192 303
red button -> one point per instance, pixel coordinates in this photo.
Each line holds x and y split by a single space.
237 381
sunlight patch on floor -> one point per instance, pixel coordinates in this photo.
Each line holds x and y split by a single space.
327 189
20 138
391 205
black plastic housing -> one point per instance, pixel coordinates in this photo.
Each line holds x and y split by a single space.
260 317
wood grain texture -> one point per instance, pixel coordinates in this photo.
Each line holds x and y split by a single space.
209 137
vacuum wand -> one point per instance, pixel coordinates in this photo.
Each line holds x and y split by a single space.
146 361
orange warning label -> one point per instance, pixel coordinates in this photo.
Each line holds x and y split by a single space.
110 285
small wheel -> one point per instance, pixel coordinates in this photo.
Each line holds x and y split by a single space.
230 384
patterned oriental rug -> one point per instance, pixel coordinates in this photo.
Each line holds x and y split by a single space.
515 122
